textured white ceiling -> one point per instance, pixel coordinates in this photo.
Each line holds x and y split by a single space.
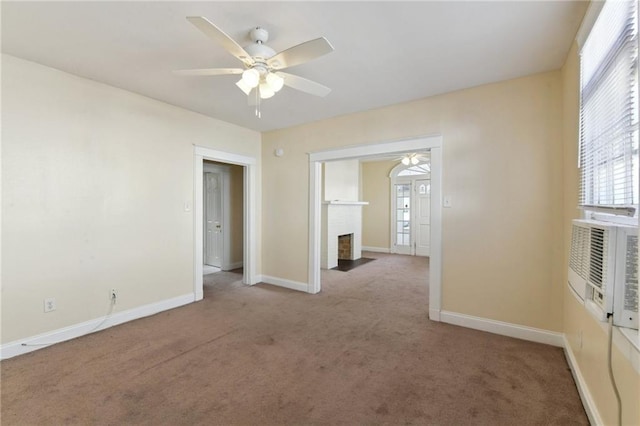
385 52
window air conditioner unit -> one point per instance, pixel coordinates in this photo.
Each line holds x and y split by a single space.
603 270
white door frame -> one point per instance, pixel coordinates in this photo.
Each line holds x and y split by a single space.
249 217
417 218
432 143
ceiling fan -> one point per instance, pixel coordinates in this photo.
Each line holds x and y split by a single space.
262 73
414 158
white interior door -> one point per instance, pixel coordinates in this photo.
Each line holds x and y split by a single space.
423 217
213 237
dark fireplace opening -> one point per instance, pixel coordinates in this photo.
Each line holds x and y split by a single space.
345 247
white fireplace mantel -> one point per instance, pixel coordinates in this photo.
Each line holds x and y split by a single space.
340 217
346 203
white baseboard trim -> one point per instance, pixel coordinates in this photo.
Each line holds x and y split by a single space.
587 400
504 328
232 266
11 349
434 314
376 249
281 282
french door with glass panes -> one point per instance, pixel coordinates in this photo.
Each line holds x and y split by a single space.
402 218
411 217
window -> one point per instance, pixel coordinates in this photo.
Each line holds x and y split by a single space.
609 111
403 214
419 169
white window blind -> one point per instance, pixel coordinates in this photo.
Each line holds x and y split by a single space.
609 109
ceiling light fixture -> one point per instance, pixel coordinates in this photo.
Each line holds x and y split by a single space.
262 65
244 86
274 81
410 159
251 77
266 91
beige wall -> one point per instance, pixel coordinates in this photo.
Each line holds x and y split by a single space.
591 354
94 182
341 180
376 216
502 161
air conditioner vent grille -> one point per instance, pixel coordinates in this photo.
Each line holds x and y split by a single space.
598 265
631 275
578 259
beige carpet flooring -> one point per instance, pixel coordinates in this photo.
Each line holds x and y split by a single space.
362 352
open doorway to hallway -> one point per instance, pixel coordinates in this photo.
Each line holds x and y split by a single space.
223 206
247 168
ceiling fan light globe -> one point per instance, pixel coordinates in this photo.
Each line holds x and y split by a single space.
414 160
275 82
265 91
251 77
405 161
244 86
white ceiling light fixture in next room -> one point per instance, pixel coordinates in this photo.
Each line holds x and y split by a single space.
412 159
262 77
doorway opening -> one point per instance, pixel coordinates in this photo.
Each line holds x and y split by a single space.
223 212
433 144
246 166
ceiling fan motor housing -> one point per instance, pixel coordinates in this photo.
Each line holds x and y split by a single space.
259 52
259 35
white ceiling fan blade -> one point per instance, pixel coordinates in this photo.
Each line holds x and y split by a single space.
210 71
304 85
216 34
300 54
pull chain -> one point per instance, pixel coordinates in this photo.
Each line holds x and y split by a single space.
258 112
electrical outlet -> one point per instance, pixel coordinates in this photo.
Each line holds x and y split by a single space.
50 304
113 295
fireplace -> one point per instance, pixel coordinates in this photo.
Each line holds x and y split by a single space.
345 250
341 232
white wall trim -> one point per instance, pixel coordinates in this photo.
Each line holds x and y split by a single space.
434 315
49 338
421 143
315 227
231 266
504 328
376 249
373 149
223 156
250 204
590 17
587 400
281 282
